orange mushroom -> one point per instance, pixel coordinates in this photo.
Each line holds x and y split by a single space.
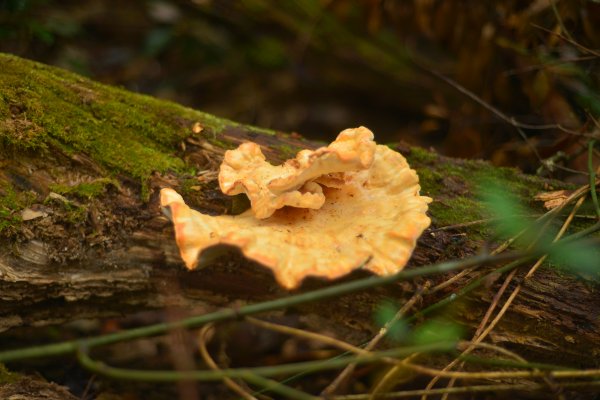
270 187
368 213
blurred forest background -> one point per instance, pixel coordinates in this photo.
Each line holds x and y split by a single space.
318 66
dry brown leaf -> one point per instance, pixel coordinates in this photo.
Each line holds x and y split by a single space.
553 199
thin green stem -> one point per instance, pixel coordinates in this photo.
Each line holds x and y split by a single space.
69 347
593 176
243 373
511 363
270 385
229 314
563 29
468 389
463 291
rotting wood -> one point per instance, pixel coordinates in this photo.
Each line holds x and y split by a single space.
112 252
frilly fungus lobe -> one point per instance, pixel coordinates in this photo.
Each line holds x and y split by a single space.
352 204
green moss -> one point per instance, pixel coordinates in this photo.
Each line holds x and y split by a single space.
189 185
11 203
76 214
287 151
43 107
6 376
456 210
46 109
478 174
85 190
456 187
430 181
8 220
221 143
422 156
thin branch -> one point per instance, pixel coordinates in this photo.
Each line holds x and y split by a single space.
343 376
313 366
557 374
301 333
342 345
321 365
560 21
69 347
508 119
548 64
230 383
277 387
463 225
566 39
480 336
72 346
468 389
449 281
278 370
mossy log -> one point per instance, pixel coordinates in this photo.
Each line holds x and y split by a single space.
83 236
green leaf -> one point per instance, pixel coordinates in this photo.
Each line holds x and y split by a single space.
509 215
385 313
436 330
577 257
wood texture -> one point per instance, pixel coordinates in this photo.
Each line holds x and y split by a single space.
113 253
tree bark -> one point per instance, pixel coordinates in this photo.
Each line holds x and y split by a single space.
83 235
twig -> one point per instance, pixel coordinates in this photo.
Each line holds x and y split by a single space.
557 374
341 378
495 348
378 392
301 333
480 336
566 39
477 337
449 281
463 225
530 68
342 345
467 389
510 120
321 365
559 20
398 372
230 314
230 383
277 387
88 387
278 370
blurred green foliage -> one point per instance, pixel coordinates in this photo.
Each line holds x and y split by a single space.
436 330
512 219
579 257
316 66
385 313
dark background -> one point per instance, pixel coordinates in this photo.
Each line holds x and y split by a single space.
319 66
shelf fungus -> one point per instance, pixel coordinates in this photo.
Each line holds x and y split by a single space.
353 204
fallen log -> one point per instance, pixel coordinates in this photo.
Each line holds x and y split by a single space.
83 236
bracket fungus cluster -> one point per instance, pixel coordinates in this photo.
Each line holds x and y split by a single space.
353 204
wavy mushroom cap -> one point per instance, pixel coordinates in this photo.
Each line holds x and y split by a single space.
369 218
271 187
